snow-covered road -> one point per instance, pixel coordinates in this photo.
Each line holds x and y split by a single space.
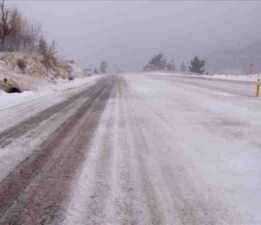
165 150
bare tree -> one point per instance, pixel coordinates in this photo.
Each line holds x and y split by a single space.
48 51
42 47
31 38
7 18
13 40
16 33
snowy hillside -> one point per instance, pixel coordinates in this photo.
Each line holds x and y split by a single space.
28 72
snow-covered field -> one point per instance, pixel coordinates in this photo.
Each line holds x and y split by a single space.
251 77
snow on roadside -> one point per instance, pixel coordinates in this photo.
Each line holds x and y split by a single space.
251 77
245 77
21 148
217 135
17 107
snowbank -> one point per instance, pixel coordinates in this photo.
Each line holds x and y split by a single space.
245 77
29 72
252 77
17 107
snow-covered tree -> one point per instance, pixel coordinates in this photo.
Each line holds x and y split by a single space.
197 65
157 62
103 67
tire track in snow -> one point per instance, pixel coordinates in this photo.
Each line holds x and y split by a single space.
159 208
134 174
93 186
182 194
44 181
33 140
7 136
117 189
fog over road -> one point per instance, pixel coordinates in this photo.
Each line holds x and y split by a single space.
145 148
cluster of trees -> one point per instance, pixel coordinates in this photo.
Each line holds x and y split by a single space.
18 34
197 65
102 68
159 62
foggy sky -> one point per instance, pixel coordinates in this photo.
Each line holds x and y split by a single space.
128 33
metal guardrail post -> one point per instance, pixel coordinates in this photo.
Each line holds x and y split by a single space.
257 87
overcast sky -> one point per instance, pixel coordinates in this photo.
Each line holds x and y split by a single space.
128 33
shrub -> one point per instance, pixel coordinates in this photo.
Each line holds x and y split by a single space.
48 51
21 63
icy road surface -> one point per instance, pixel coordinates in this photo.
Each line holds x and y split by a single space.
137 149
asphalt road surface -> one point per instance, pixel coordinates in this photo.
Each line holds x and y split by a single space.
138 149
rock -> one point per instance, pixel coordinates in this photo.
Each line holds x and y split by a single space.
10 86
